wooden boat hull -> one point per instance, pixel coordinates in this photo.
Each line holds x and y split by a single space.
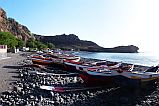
124 78
97 80
93 77
74 59
128 82
72 66
42 62
76 66
50 62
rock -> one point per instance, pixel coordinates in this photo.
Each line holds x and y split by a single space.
38 104
124 100
31 96
19 89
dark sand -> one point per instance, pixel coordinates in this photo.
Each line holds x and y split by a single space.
8 70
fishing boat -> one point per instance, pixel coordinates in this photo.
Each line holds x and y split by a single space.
100 72
123 76
137 78
52 59
43 61
98 75
69 57
76 66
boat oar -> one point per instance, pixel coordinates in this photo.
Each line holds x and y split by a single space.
51 74
35 65
66 89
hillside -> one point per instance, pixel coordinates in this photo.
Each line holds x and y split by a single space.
70 41
12 26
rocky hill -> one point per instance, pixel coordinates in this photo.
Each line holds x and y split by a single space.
12 26
72 41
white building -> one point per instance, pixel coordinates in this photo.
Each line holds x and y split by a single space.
3 51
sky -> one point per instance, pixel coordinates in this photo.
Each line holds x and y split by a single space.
108 23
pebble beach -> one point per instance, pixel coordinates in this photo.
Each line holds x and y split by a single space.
19 87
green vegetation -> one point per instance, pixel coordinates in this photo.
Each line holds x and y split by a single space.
6 38
20 43
40 45
50 45
10 40
31 43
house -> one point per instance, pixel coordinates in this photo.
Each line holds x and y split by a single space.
3 51
3 48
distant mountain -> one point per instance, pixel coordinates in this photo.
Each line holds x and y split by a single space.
72 41
12 26
121 49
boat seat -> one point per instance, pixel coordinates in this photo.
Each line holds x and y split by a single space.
152 69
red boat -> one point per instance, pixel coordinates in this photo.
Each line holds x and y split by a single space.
100 75
76 66
50 59
43 61
123 76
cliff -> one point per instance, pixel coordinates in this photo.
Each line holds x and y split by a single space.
72 41
12 26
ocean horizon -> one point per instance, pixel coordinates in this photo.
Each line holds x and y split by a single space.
141 58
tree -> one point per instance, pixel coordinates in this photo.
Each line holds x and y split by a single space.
50 45
40 45
20 43
31 43
6 38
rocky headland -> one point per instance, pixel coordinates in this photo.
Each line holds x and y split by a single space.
72 41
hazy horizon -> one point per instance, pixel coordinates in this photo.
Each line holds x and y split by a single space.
108 23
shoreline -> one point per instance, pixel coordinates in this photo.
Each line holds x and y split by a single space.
143 59
26 91
9 69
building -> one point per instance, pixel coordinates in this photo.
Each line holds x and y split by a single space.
3 51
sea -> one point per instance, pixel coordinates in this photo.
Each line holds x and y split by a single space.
142 58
